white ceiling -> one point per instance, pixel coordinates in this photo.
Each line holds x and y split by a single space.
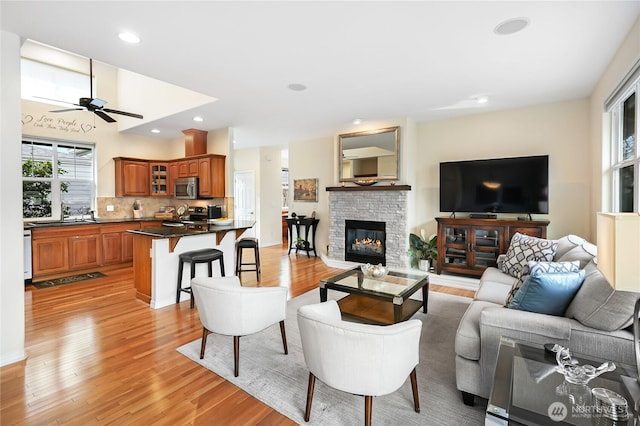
424 60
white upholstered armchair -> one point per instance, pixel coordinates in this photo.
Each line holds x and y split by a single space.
225 307
361 359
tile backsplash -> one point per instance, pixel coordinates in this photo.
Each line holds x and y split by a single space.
123 206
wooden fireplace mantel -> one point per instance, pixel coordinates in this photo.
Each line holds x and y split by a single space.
370 188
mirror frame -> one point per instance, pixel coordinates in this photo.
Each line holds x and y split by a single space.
373 179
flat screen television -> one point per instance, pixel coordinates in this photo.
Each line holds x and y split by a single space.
501 185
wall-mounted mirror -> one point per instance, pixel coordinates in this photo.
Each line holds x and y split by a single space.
369 156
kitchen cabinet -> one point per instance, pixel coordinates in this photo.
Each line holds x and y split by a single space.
468 246
50 255
159 184
59 250
66 250
117 243
183 168
84 251
192 168
132 177
139 178
211 176
174 173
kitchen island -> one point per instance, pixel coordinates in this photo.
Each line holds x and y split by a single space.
155 257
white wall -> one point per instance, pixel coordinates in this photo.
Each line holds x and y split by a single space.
11 256
625 57
560 130
314 159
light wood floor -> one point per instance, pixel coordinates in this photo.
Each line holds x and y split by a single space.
96 355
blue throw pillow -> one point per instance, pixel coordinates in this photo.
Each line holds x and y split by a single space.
547 293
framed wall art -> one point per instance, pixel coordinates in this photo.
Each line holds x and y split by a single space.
305 190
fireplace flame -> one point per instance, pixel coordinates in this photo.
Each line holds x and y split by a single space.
369 242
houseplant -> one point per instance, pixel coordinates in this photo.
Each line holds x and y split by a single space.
422 252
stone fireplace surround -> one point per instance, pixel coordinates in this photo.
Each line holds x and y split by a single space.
384 204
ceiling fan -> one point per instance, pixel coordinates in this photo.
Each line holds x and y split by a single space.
94 104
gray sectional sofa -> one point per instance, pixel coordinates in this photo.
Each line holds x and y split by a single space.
596 322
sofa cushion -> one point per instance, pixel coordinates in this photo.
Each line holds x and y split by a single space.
524 248
598 305
566 243
468 335
547 293
533 267
494 286
584 253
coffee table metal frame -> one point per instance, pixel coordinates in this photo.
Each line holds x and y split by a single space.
403 306
501 409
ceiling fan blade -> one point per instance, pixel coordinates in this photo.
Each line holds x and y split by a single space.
68 109
104 116
128 114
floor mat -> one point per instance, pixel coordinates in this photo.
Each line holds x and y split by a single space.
68 280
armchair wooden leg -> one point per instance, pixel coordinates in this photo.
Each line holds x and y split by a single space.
414 388
205 333
284 337
236 354
307 411
467 398
368 403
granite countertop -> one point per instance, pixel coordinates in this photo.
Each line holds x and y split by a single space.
195 229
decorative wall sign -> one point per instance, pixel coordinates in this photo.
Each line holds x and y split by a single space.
55 124
305 190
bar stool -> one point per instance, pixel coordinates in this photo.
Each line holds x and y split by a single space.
249 243
208 256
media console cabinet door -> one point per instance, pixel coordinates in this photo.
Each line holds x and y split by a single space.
468 246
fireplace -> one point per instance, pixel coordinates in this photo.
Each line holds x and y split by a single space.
365 241
384 204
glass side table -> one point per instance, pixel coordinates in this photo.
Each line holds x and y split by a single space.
528 391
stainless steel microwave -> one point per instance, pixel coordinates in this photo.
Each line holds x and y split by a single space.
186 188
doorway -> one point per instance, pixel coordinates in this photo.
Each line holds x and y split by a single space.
245 198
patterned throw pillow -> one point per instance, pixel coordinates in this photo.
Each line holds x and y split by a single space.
524 248
534 267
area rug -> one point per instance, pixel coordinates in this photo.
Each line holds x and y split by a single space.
67 280
280 380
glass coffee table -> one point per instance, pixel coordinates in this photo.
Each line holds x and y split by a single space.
377 300
528 391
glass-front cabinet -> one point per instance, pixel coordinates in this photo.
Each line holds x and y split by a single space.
159 178
469 246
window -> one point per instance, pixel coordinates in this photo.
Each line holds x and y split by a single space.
39 80
625 155
57 179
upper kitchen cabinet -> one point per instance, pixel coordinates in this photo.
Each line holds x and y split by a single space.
141 178
211 176
132 177
159 179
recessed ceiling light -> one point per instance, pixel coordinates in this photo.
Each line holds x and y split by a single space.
198 118
155 131
297 87
511 26
129 37
482 99
357 121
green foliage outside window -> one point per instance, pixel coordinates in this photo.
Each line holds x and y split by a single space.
36 195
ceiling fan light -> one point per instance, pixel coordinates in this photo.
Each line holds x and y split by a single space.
129 37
